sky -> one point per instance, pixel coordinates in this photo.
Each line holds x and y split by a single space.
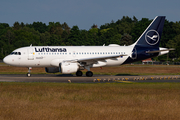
85 13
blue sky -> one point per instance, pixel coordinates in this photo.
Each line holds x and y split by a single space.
85 13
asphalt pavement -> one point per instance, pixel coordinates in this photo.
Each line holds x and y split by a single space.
96 78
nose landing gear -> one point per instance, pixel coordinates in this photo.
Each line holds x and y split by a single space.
29 72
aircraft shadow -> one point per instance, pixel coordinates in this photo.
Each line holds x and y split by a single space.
125 75
65 75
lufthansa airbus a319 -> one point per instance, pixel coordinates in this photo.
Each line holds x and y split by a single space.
73 59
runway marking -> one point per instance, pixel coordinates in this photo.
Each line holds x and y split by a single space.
127 78
141 78
123 81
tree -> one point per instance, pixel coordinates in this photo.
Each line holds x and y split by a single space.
168 33
39 26
66 27
135 20
126 39
93 26
174 43
92 35
45 38
3 26
139 27
10 36
16 26
74 37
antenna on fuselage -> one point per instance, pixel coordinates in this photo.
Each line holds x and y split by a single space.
31 45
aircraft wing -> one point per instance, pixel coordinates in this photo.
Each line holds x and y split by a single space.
90 60
95 58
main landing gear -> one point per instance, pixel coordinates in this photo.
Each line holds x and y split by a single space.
88 73
29 72
79 73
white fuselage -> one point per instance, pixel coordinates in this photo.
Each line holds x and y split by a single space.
46 56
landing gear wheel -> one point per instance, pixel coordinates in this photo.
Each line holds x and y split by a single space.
28 74
79 73
89 74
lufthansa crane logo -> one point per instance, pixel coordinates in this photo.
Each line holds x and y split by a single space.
152 37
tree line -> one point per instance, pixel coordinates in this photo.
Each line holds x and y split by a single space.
124 31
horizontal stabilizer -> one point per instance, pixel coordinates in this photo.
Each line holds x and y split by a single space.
157 51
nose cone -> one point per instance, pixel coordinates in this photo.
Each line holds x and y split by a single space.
7 60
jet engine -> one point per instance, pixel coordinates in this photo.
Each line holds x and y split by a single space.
51 69
67 67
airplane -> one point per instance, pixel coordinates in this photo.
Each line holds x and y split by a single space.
73 59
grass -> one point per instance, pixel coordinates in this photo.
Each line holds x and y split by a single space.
137 101
125 101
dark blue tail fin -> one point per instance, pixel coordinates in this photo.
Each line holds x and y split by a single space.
147 46
152 35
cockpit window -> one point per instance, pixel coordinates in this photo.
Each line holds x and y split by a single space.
16 53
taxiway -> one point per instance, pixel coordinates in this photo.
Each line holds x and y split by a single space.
96 78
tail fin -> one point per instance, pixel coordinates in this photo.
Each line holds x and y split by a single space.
147 46
152 35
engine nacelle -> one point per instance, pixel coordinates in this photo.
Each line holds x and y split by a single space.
51 69
67 67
